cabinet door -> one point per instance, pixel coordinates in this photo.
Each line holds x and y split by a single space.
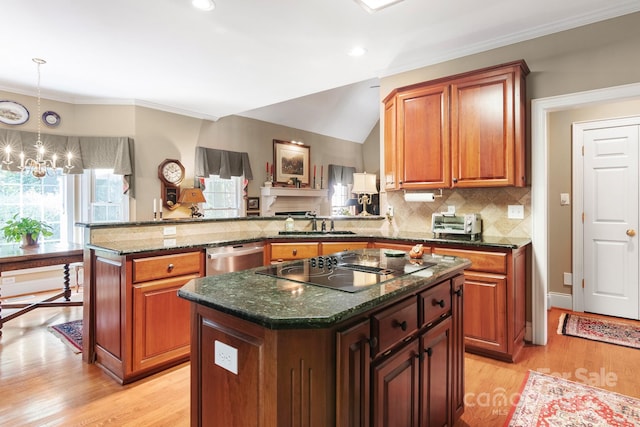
333 247
395 389
435 368
482 137
457 361
353 364
390 146
422 138
485 311
161 322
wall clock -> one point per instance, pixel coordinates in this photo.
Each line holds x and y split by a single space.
171 174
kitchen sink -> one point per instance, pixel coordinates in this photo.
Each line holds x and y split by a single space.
324 233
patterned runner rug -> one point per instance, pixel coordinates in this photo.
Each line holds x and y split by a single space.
599 330
546 400
70 333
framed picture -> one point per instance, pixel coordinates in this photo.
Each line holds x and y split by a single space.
291 162
253 203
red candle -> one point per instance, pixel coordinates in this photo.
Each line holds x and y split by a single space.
267 167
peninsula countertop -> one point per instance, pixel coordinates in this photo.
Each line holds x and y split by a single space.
283 304
126 247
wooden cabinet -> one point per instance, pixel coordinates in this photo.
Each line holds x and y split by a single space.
141 325
494 303
294 250
327 248
416 362
466 130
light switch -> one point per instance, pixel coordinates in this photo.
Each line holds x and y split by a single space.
565 199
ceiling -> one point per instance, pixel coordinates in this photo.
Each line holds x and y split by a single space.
281 61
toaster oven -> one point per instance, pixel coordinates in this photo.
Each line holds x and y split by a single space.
461 225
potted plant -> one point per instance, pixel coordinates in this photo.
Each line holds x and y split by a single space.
28 230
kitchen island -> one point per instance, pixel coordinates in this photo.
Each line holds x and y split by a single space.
272 351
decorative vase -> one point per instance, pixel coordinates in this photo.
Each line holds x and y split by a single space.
29 242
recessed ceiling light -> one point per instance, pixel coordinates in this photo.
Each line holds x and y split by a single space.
375 5
357 51
205 5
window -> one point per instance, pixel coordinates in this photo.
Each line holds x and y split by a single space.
41 199
339 200
106 199
224 197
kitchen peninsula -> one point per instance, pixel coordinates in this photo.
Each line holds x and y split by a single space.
276 351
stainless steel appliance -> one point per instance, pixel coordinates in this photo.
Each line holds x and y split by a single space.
227 259
348 271
462 225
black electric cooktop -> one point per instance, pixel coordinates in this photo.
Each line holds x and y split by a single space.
346 271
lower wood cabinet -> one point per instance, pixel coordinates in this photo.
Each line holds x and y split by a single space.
494 303
327 248
140 324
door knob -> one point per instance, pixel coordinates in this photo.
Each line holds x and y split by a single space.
631 232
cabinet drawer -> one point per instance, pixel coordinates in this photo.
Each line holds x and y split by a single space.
491 262
164 266
333 247
293 250
394 324
435 303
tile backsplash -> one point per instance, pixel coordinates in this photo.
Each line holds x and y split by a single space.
491 203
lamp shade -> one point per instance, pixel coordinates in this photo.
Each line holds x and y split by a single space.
192 195
364 183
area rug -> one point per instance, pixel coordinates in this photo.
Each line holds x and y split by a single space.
70 333
597 329
551 401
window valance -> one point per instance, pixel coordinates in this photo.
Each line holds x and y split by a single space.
210 161
89 152
339 175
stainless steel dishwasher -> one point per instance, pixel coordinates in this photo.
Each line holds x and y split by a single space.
227 259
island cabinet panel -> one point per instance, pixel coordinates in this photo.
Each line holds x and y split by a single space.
435 375
457 334
494 303
466 130
246 375
140 324
353 373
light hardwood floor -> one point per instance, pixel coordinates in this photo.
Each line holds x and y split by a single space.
43 383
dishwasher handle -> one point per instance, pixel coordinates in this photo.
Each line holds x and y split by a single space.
236 252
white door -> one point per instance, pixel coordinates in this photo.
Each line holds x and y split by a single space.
610 226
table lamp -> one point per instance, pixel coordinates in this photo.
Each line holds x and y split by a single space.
364 185
193 196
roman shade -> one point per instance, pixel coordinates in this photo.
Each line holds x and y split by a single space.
89 152
210 161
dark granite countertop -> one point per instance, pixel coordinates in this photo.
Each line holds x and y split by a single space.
284 304
234 238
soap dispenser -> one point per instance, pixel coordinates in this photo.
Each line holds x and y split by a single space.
288 224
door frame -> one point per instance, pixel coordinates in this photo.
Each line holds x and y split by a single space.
578 201
540 109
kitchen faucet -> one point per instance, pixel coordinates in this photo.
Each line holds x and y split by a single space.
332 228
324 225
314 224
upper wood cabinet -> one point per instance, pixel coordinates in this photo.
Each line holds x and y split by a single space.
466 130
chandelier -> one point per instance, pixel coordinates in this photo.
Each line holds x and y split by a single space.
39 166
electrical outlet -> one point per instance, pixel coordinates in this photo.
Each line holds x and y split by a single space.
515 212
169 231
451 209
169 243
565 200
226 356
567 279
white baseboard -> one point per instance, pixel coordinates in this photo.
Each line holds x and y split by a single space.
555 299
